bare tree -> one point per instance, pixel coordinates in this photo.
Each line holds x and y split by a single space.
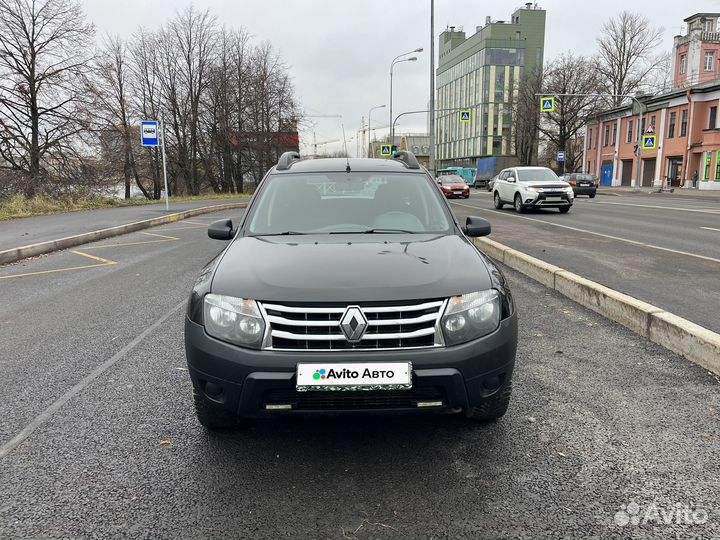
569 74
111 109
526 114
43 46
627 55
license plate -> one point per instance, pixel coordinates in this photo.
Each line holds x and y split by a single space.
354 376
584 184
553 199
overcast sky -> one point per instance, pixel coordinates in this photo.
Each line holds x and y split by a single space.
339 53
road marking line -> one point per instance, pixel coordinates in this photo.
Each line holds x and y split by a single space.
93 257
161 235
696 210
203 226
611 237
710 229
48 413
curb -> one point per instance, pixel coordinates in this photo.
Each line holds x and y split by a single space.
16 254
692 341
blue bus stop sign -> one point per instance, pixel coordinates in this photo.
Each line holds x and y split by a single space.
149 133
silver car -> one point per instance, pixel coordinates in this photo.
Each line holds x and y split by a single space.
532 187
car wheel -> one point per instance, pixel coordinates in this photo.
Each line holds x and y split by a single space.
467 196
519 208
564 209
497 202
493 407
211 417
592 195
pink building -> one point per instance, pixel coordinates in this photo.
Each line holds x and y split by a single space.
696 57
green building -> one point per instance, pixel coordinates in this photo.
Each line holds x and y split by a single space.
481 73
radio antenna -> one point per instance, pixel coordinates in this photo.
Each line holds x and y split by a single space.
347 158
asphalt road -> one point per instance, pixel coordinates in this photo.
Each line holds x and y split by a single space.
98 437
31 230
663 251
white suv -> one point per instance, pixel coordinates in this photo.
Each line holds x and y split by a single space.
532 187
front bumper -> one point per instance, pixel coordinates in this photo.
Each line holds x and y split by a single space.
463 193
584 190
537 200
253 383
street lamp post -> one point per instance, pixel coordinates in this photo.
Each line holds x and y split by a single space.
431 123
399 58
368 130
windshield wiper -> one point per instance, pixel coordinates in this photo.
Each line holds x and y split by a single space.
285 233
374 231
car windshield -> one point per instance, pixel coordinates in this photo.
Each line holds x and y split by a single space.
584 177
452 179
337 203
536 175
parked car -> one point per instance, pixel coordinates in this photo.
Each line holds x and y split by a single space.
453 186
532 187
349 286
491 182
582 183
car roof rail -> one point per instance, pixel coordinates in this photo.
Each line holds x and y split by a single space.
286 160
408 158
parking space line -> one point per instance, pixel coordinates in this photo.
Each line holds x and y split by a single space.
658 207
48 413
710 229
101 262
161 236
611 237
164 238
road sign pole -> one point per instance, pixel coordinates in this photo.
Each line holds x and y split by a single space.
162 129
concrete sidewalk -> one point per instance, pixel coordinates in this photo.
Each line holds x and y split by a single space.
33 230
679 193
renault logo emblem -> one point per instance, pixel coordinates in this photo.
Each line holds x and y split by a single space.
353 324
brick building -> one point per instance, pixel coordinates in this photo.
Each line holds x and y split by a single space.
684 119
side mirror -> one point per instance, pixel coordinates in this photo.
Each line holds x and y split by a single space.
477 226
221 230
511 179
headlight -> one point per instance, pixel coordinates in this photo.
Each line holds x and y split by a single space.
471 316
568 189
534 190
236 320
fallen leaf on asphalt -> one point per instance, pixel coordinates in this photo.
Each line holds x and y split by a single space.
166 443
531 419
561 454
707 436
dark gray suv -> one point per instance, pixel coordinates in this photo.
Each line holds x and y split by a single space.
348 286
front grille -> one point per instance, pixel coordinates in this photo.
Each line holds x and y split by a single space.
355 400
391 325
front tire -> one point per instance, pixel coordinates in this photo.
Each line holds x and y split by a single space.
592 195
564 209
497 201
492 408
519 208
211 417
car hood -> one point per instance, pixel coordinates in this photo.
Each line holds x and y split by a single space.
350 268
454 186
540 183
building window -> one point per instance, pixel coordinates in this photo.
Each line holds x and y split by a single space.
717 165
629 132
652 122
642 126
589 144
671 125
614 138
709 61
683 64
607 136
713 118
683 122
710 25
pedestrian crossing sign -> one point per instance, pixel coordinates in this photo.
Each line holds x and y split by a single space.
649 142
385 150
547 104
465 116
